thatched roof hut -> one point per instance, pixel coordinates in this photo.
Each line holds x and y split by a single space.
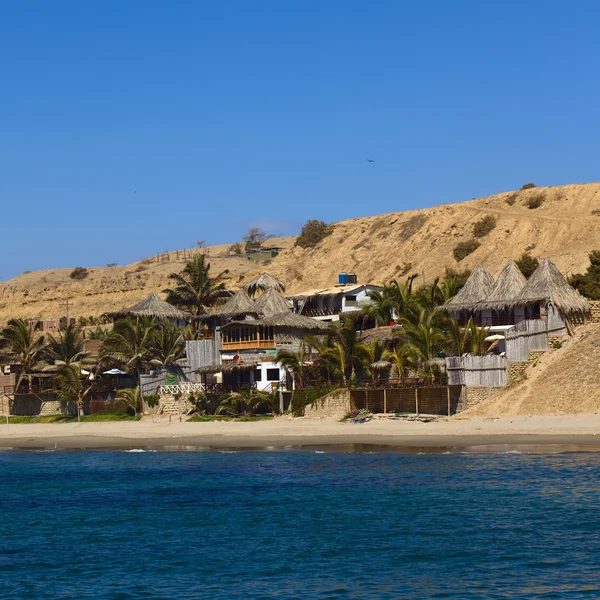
285 320
271 303
228 367
477 288
262 283
153 306
548 286
507 288
239 304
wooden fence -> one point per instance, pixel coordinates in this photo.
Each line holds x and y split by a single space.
526 336
436 400
489 370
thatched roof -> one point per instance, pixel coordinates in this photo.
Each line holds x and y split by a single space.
285 320
229 367
153 306
271 303
549 286
239 304
477 288
262 283
383 334
507 288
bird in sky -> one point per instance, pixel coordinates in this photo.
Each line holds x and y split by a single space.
370 160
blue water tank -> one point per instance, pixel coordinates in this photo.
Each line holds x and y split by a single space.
343 278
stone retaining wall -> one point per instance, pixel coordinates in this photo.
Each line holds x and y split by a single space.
595 306
535 355
472 396
516 370
169 405
334 405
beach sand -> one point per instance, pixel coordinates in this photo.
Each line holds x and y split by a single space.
548 433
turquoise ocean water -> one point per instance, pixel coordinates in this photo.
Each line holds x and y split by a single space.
127 525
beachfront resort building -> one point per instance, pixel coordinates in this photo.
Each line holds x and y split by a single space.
511 300
329 303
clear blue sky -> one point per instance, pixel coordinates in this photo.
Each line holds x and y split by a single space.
129 128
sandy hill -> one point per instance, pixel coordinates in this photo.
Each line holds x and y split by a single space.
563 381
565 228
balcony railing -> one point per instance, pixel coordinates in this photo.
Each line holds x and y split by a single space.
249 345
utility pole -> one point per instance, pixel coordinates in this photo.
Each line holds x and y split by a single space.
66 305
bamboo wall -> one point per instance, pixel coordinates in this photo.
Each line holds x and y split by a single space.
423 400
201 353
526 336
477 371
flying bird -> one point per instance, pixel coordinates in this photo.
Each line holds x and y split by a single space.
370 160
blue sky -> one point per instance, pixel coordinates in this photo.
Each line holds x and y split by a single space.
129 128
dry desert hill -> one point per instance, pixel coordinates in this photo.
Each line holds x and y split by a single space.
564 227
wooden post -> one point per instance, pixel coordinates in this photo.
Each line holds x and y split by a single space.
417 401
448 389
366 399
385 400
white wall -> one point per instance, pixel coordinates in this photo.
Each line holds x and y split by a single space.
264 383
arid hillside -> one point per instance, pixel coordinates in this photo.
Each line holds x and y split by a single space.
565 227
563 381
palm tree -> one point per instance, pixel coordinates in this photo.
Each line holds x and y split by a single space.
128 344
405 302
19 345
66 349
251 399
424 339
457 336
294 363
166 346
380 307
132 397
72 387
399 357
195 290
372 353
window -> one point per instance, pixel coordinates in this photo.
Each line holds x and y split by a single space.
350 298
272 374
257 375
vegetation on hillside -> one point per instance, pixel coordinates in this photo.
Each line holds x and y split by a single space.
527 264
463 249
313 231
588 283
79 273
482 227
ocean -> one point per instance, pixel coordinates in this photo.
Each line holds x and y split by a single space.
298 524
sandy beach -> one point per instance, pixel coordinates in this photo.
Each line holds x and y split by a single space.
478 433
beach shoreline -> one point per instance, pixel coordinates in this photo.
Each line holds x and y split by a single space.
530 433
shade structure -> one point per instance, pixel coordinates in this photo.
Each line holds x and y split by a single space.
506 290
239 304
262 283
153 307
477 288
272 303
231 367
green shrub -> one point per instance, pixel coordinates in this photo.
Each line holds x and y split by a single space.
596 213
535 200
463 249
152 400
527 264
528 186
588 283
79 273
236 248
482 227
511 198
312 233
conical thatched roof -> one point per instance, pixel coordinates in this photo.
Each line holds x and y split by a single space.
507 288
271 303
153 306
549 286
262 283
239 304
477 288
294 321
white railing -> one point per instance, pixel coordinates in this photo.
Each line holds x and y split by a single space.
181 388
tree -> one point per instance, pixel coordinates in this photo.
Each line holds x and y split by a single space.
132 397
372 353
294 363
195 289
66 349
128 344
379 307
527 264
312 233
72 387
19 345
588 283
255 238
166 346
